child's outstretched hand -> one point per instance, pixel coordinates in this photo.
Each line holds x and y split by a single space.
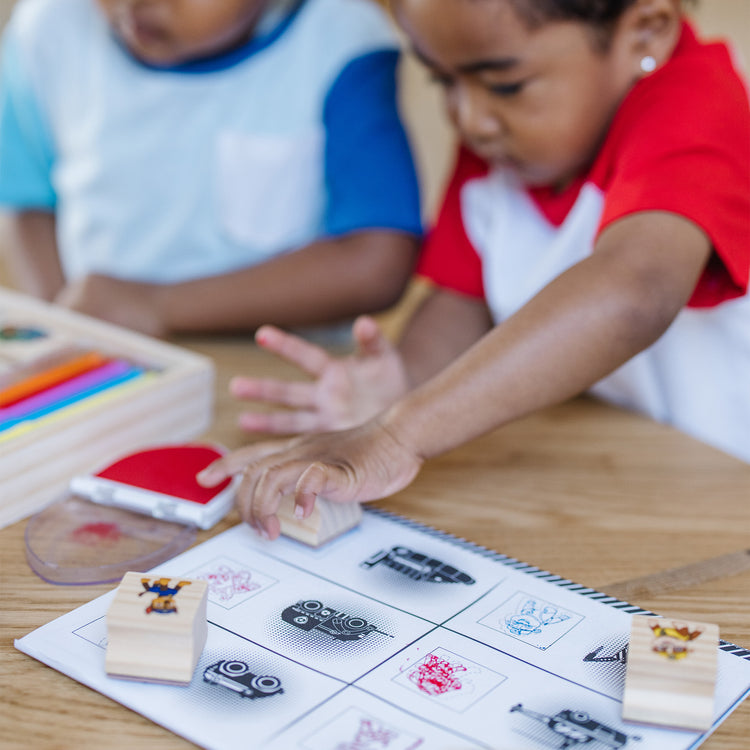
346 391
356 465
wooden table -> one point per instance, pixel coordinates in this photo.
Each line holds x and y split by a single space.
587 491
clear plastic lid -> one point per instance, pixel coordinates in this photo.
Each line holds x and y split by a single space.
77 542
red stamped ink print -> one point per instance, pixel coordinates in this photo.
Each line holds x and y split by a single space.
436 676
226 583
370 735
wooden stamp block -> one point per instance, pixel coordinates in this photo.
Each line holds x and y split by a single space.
156 628
327 521
671 672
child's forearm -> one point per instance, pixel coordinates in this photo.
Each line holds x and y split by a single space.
326 281
33 259
444 326
581 327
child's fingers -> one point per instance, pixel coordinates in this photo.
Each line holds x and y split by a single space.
318 479
298 395
272 527
281 422
309 357
245 494
369 336
236 461
261 491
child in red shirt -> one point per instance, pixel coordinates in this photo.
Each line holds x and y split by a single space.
595 235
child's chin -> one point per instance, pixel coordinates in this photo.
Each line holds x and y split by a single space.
535 178
519 171
159 56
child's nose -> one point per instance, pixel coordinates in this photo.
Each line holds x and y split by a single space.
474 118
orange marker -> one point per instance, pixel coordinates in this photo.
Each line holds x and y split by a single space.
46 379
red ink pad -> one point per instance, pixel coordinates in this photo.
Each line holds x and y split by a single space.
160 482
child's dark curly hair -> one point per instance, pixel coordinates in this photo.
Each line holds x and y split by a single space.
594 12
601 15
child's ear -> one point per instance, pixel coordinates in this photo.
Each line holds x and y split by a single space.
651 29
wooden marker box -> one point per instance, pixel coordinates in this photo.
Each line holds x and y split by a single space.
172 403
156 628
671 672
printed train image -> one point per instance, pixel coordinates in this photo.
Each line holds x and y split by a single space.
311 614
417 566
236 676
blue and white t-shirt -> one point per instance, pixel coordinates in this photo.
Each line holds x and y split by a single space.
164 175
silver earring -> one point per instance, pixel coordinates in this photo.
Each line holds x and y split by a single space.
648 64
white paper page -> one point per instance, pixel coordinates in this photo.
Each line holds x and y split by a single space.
439 644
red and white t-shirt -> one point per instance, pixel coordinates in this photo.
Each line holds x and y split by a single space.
680 142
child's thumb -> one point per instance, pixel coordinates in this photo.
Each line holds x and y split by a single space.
369 336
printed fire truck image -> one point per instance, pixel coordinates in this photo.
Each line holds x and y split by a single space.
236 676
417 566
311 614
578 728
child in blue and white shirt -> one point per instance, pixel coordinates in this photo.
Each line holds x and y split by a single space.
187 165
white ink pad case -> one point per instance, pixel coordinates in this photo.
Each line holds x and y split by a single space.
160 482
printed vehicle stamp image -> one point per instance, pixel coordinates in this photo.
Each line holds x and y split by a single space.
620 656
235 675
578 728
310 614
417 566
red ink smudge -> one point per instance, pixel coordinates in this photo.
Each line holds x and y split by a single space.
94 533
436 676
